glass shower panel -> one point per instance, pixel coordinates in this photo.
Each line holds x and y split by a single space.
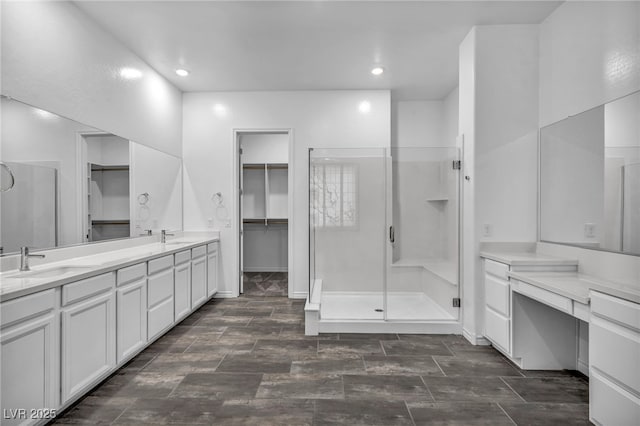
28 210
347 229
423 271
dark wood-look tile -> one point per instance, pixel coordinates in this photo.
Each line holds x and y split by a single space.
368 336
139 385
411 365
353 412
96 410
469 367
218 386
361 347
550 389
458 414
415 348
290 348
304 386
255 364
541 414
182 411
387 388
470 389
266 412
190 362
329 364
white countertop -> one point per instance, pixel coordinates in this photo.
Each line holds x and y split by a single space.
576 286
15 284
526 258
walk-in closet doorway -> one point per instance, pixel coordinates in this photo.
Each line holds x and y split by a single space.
264 211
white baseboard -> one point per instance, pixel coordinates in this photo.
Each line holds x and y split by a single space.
475 339
265 269
299 294
583 367
225 294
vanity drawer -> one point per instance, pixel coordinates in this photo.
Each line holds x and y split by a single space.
182 257
615 350
131 274
610 404
86 288
212 247
496 268
615 309
159 264
497 329
198 252
26 307
497 294
555 300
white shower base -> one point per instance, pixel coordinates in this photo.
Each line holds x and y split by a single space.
363 305
407 312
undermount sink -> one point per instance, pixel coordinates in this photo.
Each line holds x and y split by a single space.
52 272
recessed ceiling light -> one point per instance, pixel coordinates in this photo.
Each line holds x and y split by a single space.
377 71
130 73
182 72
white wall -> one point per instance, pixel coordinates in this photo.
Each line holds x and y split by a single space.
318 119
499 121
55 57
417 124
260 148
589 55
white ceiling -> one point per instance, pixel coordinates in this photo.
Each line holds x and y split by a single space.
307 45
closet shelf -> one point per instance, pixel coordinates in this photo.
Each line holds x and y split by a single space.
266 221
116 168
111 222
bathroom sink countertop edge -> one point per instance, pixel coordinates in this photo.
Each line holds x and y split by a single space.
12 285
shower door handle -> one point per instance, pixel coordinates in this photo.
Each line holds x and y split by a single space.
392 235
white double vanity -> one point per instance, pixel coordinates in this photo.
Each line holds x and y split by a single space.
72 321
543 314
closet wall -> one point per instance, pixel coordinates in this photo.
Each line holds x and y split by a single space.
265 160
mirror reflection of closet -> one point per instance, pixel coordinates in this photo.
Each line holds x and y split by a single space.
107 191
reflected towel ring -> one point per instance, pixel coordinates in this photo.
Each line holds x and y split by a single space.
143 198
218 199
13 179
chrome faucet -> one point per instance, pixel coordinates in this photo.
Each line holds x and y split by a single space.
163 236
24 258
147 233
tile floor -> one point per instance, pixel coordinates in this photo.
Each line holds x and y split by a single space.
246 361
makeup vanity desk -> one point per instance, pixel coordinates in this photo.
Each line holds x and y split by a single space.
542 313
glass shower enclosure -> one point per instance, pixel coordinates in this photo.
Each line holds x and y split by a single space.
384 239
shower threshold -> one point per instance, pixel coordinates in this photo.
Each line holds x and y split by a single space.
362 312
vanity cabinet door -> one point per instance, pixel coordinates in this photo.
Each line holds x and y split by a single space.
182 306
30 351
212 270
131 301
88 343
198 281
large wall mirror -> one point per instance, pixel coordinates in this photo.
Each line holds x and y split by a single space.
590 178
64 183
